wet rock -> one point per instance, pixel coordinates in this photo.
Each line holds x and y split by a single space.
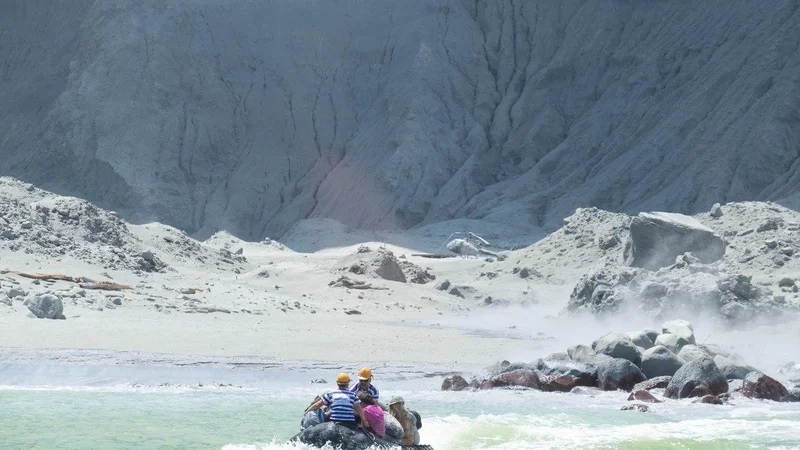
454 383
643 396
582 374
656 239
709 399
692 352
660 361
636 407
516 378
672 342
731 369
616 373
653 383
758 385
618 345
697 378
46 306
680 328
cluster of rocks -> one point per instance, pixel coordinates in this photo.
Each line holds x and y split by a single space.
638 362
687 287
38 222
382 263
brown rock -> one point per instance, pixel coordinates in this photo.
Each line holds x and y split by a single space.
559 384
454 383
516 378
653 383
643 396
709 399
758 385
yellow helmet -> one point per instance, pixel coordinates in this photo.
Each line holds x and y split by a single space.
343 378
365 374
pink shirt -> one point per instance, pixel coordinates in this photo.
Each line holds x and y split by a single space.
374 415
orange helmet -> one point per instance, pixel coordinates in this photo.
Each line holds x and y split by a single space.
365 374
343 378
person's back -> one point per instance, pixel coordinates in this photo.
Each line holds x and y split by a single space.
407 420
341 403
373 413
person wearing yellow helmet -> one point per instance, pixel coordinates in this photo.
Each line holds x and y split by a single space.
365 384
343 404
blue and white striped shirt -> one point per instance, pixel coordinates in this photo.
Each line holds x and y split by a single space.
341 402
373 391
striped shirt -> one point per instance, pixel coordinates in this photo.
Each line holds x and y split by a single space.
341 402
373 391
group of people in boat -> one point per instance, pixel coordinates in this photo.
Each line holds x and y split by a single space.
359 406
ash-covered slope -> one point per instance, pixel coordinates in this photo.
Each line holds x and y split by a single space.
250 116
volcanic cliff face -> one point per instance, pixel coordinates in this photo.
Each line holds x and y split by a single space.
252 115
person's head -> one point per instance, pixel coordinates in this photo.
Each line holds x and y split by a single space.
343 380
365 398
397 406
364 377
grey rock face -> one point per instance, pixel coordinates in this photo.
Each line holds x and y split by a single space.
657 239
617 373
403 113
673 342
680 328
659 361
46 306
691 352
731 369
641 339
618 345
697 379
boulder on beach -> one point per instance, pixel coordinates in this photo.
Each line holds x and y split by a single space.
652 383
657 239
692 352
46 305
673 342
642 339
731 369
580 352
616 373
560 372
521 378
660 361
618 345
680 328
758 385
454 383
709 400
696 379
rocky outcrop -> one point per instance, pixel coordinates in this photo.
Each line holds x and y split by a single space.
696 379
657 239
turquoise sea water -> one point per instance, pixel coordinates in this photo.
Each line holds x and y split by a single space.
82 405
